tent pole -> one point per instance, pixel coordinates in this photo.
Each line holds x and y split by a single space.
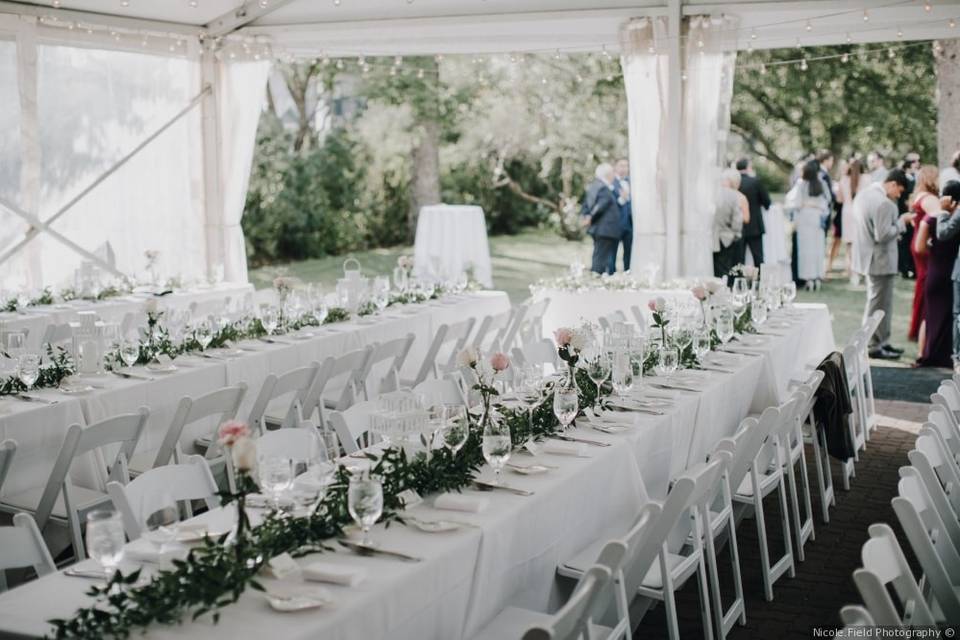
674 139
212 175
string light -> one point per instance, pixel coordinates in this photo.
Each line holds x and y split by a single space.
927 7
763 69
263 4
845 58
866 15
849 38
952 24
899 32
193 4
124 3
56 4
803 65
808 27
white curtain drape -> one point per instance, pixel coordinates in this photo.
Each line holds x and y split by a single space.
644 75
709 59
240 93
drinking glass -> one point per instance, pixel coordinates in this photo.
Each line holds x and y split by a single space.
496 445
724 324
269 318
759 312
203 333
275 476
129 351
105 540
365 503
789 292
400 280
461 283
527 385
28 369
455 430
565 404
701 343
598 368
158 519
15 342
381 292
621 375
668 359
320 309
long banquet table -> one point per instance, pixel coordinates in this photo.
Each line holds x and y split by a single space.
569 308
509 555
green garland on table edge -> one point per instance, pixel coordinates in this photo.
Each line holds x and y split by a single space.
215 574
51 375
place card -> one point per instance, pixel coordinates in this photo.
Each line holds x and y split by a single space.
409 498
282 566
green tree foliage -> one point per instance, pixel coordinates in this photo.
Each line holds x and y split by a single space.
867 100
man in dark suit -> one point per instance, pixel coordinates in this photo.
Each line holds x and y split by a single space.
621 188
758 199
601 213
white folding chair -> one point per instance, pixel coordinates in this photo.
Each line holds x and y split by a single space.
445 391
448 338
61 503
352 425
766 476
393 351
223 403
938 419
531 325
939 474
344 383
792 454
491 328
926 533
56 334
949 399
8 449
22 546
295 384
885 565
154 489
854 616
855 422
641 317
296 444
818 442
539 353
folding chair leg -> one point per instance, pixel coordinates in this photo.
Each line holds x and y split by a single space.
764 548
824 474
795 509
705 617
806 527
669 601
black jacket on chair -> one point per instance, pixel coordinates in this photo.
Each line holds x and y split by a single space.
832 409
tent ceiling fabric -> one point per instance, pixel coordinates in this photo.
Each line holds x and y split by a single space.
400 27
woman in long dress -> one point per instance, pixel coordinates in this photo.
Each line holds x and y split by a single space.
853 180
810 204
938 287
926 202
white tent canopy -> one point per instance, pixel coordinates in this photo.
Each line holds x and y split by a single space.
96 79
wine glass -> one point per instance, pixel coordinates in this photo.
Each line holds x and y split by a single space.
497 445
598 369
129 351
461 283
701 343
203 332
15 344
400 280
105 539
275 476
740 296
724 326
381 292
621 375
565 404
668 359
158 518
365 503
269 318
789 292
28 369
455 430
759 312
528 389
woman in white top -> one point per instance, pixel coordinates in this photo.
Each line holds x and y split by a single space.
853 180
810 206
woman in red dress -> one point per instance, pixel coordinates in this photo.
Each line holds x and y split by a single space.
926 199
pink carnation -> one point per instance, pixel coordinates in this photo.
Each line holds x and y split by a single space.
699 292
231 431
500 361
563 336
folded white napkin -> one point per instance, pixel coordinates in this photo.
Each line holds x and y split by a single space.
334 573
459 502
558 447
142 550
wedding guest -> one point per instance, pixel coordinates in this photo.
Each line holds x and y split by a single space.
731 214
910 166
810 206
875 253
948 228
851 181
926 202
878 167
757 200
951 173
621 187
601 214
941 255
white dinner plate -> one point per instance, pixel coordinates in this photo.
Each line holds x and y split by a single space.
433 526
159 367
297 597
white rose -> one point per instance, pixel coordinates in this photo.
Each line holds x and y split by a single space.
661 303
467 357
244 453
152 305
578 341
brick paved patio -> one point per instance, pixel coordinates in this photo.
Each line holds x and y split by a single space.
823 582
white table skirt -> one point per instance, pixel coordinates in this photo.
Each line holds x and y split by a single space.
113 310
468 576
451 239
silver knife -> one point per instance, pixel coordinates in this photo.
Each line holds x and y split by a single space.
26 398
750 354
362 549
134 376
595 443
92 574
660 385
489 486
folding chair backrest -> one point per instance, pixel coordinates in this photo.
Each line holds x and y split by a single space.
938 419
123 430
296 444
56 334
884 564
641 317
508 335
925 531
746 443
8 449
22 545
457 335
296 383
854 615
949 392
349 370
153 489
353 425
541 352
394 351
490 327
444 391
939 476
224 403
942 403
531 329
573 618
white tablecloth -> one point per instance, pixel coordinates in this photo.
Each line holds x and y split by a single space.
450 240
573 308
113 310
466 577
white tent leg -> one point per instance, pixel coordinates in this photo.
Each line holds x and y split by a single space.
212 174
674 139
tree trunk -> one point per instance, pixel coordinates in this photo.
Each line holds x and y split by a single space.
948 100
426 172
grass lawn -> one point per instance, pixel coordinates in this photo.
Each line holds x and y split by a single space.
524 258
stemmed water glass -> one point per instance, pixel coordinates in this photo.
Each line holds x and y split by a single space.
701 343
668 359
565 404
759 313
105 540
129 350
381 292
598 369
621 375
275 475
724 325
269 318
455 429
496 445
740 296
28 369
400 279
203 332
15 344
365 503
528 388
788 292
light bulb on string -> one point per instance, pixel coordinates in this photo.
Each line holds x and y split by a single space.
397 61
263 4
899 32
891 53
808 27
803 65
336 3
557 56
845 57
763 69
438 58
866 15
753 34
849 38
193 4
124 3
952 24
927 7
339 64
55 4
420 74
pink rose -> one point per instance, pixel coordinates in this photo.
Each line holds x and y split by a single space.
231 431
699 292
563 336
500 361
652 305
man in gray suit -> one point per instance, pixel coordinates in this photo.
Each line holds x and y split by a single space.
948 226
602 213
875 252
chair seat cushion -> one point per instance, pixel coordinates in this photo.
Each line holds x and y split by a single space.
512 622
29 500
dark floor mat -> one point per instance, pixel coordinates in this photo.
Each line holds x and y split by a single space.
909 385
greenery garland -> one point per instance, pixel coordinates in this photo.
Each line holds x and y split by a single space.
51 375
